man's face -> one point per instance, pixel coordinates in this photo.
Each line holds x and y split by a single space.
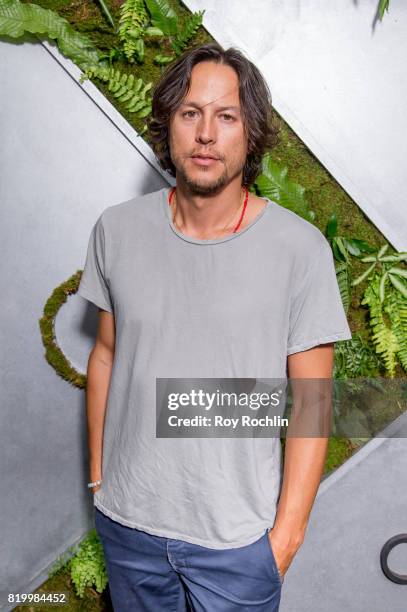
209 122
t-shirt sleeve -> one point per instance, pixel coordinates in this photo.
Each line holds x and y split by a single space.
317 315
94 284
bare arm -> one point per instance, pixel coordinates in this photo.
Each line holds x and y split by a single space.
98 380
304 462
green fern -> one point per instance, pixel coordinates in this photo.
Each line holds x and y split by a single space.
384 338
183 37
16 19
88 565
396 308
274 184
166 21
355 358
125 87
342 276
133 19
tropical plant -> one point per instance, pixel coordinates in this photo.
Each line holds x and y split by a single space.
133 21
154 18
389 333
16 19
388 319
85 563
88 566
388 316
353 359
165 20
125 87
356 358
274 184
386 297
388 270
342 247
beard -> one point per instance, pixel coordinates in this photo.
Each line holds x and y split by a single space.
205 186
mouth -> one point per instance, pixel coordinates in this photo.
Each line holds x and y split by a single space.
202 160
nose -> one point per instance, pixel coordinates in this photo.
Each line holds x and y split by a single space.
205 131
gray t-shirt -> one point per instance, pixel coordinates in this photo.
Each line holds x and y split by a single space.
230 307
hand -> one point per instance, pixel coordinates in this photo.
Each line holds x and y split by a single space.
96 488
284 550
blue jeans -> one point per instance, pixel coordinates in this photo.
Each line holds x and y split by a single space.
149 573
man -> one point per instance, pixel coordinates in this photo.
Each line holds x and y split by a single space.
204 280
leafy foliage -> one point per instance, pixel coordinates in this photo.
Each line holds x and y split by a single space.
396 308
342 276
355 358
385 263
125 87
386 297
384 338
388 307
106 12
161 58
133 19
16 19
163 17
383 6
342 249
88 565
274 184
190 28
342 246
165 20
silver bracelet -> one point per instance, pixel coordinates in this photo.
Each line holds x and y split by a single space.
94 484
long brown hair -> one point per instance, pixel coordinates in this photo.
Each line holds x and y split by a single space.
255 98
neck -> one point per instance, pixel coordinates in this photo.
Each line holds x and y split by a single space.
207 215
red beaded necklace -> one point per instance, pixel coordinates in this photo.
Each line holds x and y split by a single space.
241 216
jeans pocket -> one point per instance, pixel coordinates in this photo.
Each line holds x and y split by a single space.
276 572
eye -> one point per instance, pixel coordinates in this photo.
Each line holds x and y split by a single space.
187 112
226 115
